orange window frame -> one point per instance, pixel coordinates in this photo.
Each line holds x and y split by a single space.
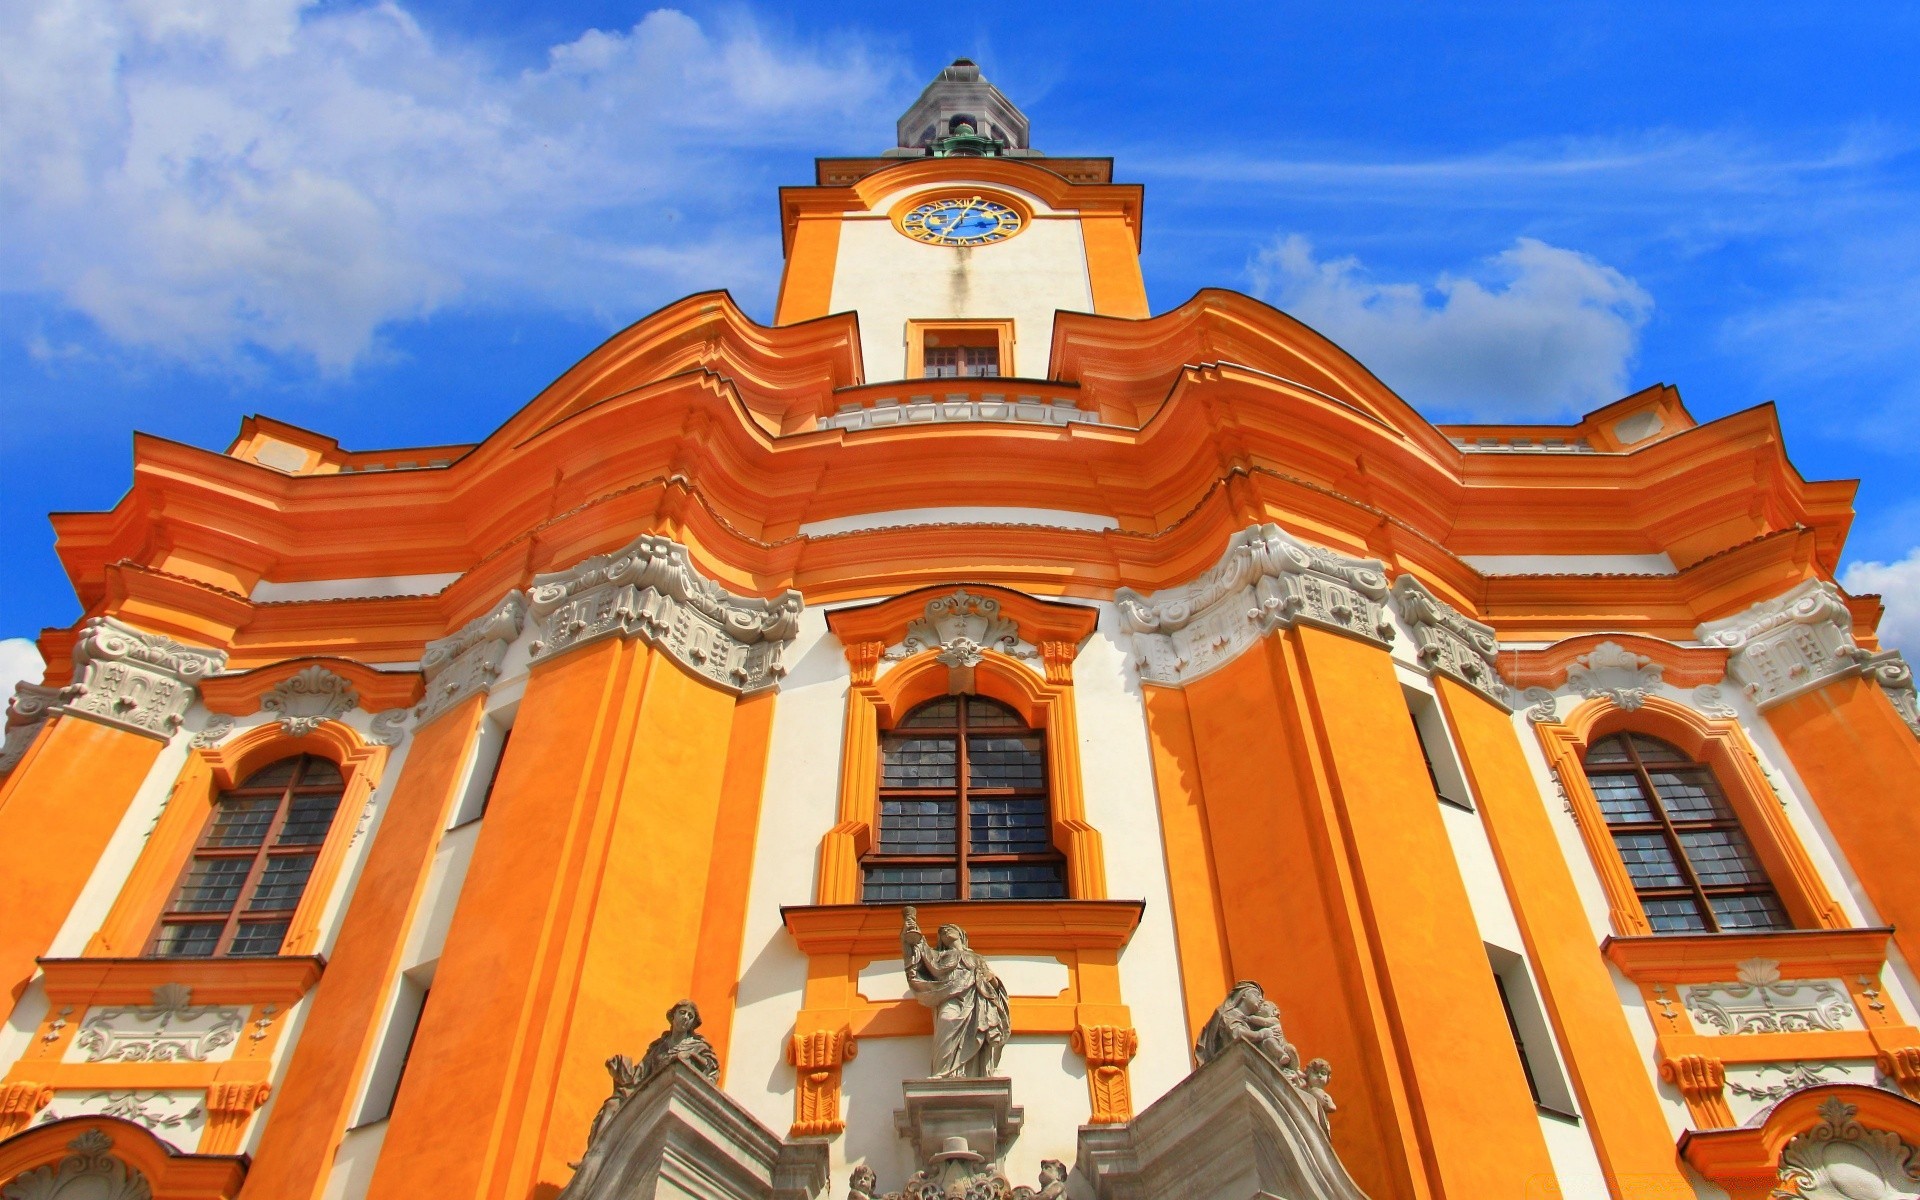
135 916
995 332
1722 747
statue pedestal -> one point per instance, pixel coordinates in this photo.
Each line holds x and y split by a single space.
681 1138
980 1110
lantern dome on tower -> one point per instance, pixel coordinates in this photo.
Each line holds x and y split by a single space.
959 115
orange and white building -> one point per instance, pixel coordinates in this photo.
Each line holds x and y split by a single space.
1542 775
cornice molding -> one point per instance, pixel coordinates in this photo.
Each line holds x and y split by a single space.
1266 580
650 589
1451 642
467 661
1789 645
134 680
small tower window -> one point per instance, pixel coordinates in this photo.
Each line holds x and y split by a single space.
247 875
972 362
964 811
1690 862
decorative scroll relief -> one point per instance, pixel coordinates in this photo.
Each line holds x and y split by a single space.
959 628
135 680
91 1171
469 660
1267 579
171 1029
649 589
175 1116
1450 642
1895 677
1788 645
308 699
1617 673
1841 1159
1753 1089
26 712
1762 1002
1711 701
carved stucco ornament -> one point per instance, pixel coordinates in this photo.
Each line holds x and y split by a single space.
649 589
1617 673
1895 677
91 1171
390 726
1841 1159
171 1029
308 699
1543 707
135 680
1449 641
468 660
215 731
958 628
1267 580
1760 1001
1710 700
26 712
1788 645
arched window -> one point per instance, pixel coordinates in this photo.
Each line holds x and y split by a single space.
1691 864
964 813
245 878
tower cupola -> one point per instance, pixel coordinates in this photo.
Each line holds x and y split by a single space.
961 115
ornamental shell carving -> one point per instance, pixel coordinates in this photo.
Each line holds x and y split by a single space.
960 628
308 699
1613 671
91 1171
1841 1159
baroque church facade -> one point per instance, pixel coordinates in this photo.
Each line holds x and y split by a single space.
972 736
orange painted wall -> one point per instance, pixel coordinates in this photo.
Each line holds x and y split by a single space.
580 923
1479 1127
1862 765
806 289
312 1104
1282 904
1621 1109
58 810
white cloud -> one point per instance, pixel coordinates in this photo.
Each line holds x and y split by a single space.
1898 586
204 178
19 660
1535 331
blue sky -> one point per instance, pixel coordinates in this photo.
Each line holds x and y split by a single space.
395 223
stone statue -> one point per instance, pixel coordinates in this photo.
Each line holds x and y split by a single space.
863 1183
959 1174
1319 1074
680 1043
969 1003
1053 1182
1246 1015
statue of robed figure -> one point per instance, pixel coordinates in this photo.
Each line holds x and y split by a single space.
969 1003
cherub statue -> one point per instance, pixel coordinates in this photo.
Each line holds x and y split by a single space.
1053 1182
970 1008
862 1183
1319 1074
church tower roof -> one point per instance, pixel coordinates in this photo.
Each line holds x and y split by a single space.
960 114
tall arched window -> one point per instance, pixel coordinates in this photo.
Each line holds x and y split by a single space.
1690 862
239 891
964 813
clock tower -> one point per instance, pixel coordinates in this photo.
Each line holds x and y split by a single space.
955 248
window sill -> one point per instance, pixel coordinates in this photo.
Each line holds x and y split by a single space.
264 980
993 926
1547 1110
1450 802
1716 957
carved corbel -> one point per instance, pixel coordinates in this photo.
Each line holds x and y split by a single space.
19 1102
1450 642
1058 658
1702 1082
26 713
1902 1065
1895 677
649 589
1108 1049
817 1058
229 1107
468 660
863 661
134 680
1788 645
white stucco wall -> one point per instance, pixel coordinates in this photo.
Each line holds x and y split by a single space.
888 279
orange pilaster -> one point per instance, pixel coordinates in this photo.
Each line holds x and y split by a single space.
806 290
311 1111
1113 265
580 922
1480 1132
1861 764
1622 1110
58 810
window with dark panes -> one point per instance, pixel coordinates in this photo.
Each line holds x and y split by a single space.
972 362
963 811
1690 862
247 875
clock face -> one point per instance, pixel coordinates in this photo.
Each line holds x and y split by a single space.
961 221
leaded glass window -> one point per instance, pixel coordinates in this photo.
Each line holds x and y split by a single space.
239 891
1690 862
963 811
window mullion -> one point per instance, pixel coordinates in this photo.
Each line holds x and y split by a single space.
963 887
259 866
1692 877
